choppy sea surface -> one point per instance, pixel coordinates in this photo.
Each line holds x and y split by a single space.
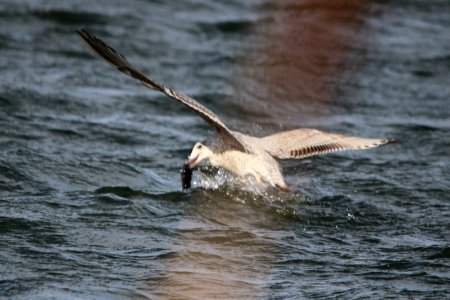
91 205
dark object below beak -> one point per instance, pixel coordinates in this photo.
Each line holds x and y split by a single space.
186 176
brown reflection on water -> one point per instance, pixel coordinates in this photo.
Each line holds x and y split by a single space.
299 56
296 59
223 249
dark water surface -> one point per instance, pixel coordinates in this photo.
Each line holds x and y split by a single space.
90 200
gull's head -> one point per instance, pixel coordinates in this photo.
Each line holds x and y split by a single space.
199 153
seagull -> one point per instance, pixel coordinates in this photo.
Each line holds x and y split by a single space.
240 154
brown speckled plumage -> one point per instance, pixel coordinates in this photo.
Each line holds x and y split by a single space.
244 155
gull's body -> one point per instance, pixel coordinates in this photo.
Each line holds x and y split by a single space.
259 165
242 155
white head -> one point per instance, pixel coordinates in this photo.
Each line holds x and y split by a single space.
199 153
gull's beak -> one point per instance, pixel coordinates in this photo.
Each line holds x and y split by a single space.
192 162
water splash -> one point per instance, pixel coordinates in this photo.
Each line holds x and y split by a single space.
239 189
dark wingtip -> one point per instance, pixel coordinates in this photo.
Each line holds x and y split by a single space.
85 34
81 31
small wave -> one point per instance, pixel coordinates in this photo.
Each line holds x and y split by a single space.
229 26
70 17
121 191
443 253
8 224
126 192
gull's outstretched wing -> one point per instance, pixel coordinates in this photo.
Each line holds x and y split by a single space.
103 51
304 142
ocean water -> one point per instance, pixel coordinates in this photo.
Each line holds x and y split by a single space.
91 205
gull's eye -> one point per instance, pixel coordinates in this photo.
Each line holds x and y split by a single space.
199 147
